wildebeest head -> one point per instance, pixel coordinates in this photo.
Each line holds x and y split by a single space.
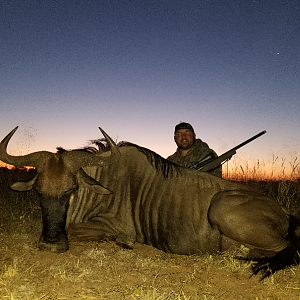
58 176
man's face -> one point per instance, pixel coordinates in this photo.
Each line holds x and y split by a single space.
184 138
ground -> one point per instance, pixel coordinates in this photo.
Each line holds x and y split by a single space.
106 271
90 270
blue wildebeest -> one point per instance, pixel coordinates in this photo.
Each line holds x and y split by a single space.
130 194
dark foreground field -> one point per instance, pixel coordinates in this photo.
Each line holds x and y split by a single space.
105 271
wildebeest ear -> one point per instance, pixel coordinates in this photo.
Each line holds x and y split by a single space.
91 183
23 186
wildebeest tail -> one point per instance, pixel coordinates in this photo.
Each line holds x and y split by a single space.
290 256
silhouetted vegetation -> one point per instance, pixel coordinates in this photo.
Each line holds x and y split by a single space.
15 206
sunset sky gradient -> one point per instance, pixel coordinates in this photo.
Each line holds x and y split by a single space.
137 68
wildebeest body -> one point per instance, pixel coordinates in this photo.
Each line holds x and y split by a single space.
170 213
130 194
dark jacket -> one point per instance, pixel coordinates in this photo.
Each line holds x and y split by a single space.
199 150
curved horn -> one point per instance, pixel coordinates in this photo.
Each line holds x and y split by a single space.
33 159
114 148
115 152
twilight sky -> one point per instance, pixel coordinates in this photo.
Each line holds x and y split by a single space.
137 68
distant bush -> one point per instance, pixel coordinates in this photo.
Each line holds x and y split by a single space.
16 205
16 174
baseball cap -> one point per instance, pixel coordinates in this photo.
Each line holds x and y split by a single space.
184 125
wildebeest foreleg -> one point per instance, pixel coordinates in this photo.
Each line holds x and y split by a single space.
99 231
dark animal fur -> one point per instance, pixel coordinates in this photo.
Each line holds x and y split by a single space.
161 164
265 266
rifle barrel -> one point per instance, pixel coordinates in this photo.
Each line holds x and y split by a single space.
214 163
249 140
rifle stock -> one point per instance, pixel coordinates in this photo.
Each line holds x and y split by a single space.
216 162
210 164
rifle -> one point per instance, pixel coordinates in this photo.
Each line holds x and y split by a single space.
209 163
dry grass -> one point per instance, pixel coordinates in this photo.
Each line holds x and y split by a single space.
93 270
282 184
277 169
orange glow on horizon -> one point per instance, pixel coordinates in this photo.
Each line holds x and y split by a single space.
4 165
238 173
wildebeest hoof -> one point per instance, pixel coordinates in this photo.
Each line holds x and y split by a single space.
56 247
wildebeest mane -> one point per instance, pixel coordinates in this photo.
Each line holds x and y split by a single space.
101 146
159 163
87 149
